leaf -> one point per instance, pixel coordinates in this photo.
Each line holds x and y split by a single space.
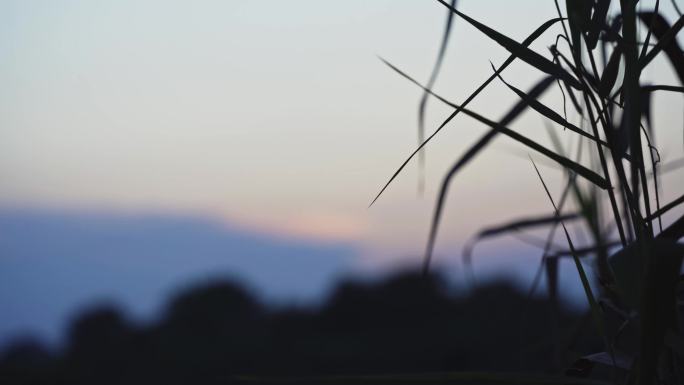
549 113
519 50
662 87
525 223
578 18
529 40
431 82
517 225
585 250
519 107
610 73
666 41
598 22
484 140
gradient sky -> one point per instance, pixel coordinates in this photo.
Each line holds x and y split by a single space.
272 116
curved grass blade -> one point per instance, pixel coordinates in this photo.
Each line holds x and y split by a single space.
581 252
529 40
579 12
525 223
519 50
663 43
516 225
549 113
423 100
676 7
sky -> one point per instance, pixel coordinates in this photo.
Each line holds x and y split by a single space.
271 118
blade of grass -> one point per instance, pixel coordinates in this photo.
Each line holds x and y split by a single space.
595 310
519 50
515 225
650 31
424 98
662 30
537 90
549 113
610 73
531 38
598 21
663 87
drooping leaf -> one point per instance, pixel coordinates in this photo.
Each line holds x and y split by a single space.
517 225
525 223
580 252
431 82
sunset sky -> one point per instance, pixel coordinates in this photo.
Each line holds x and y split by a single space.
273 118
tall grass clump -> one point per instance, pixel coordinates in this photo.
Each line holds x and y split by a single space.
596 62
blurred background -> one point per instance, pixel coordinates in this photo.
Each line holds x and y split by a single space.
148 145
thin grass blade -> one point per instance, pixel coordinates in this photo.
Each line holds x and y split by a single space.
529 40
519 50
431 82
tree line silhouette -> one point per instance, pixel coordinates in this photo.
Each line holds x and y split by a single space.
406 323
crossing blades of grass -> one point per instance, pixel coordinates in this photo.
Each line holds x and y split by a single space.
529 40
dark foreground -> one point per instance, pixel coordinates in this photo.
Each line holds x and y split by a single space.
218 333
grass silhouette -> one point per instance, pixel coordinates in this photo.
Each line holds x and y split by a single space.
635 311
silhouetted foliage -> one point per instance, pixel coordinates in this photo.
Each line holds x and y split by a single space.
214 332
